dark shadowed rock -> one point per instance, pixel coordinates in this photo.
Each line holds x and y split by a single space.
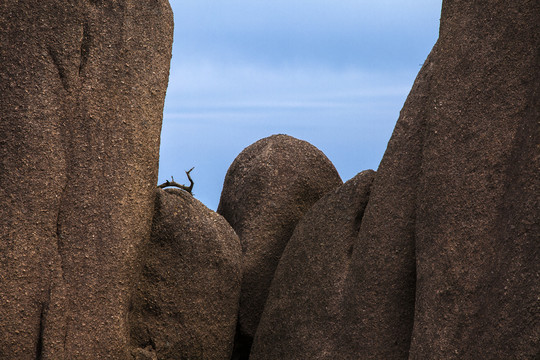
82 85
267 189
304 316
186 303
447 261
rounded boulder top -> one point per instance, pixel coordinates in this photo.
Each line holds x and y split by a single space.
267 189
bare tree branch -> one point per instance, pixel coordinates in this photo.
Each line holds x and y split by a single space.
175 184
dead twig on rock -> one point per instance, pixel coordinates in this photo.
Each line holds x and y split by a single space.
175 184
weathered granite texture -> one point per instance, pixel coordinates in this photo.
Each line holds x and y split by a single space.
267 189
477 217
186 302
447 261
304 316
82 86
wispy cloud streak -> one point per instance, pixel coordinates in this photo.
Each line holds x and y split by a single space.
333 73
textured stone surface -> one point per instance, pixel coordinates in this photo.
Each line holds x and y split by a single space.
82 84
304 316
267 189
186 304
478 197
447 260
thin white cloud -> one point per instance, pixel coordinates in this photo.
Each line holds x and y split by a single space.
334 73
218 85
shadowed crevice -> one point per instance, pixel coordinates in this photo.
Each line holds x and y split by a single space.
86 41
61 70
39 345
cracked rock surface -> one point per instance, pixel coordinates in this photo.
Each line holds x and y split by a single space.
82 86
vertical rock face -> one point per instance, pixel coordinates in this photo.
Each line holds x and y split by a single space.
267 189
304 316
185 304
478 196
82 84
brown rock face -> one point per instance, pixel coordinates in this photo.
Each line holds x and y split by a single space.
446 263
304 316
186 303
478 195
82 84
267 189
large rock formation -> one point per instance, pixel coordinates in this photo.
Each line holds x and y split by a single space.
83 85
304 316
267 189
477 217
447 260
445 263
186 303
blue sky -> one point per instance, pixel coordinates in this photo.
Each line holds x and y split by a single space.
333 73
